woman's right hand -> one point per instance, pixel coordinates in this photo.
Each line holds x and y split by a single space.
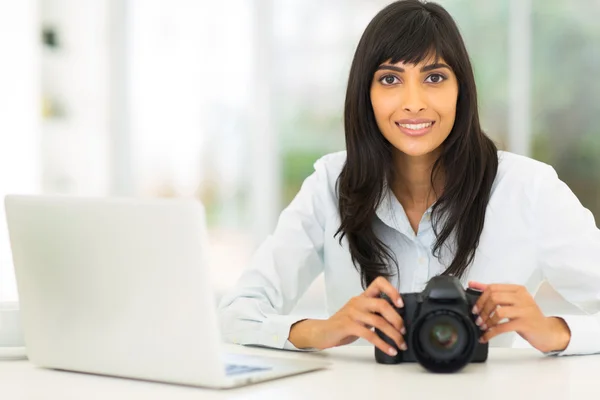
355 320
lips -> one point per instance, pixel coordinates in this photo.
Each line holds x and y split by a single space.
415 127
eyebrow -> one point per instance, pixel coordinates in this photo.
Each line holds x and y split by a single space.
423 69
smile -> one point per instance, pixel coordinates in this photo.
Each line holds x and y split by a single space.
416 129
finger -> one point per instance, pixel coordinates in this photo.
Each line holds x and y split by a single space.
381 324
504 313
367 334
494 300
480 302
511 326
504 287
383 308
477 285
380 285
493 289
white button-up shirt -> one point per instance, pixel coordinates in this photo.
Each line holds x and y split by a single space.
535 230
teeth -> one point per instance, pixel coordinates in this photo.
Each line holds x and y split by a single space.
416 127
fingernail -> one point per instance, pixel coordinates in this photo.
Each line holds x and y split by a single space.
484 327
475 310
392 352
403 347
403 331
399 303
481 340
478 321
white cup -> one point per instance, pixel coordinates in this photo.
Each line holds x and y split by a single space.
11 331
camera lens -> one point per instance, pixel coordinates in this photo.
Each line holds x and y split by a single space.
444 341
443 336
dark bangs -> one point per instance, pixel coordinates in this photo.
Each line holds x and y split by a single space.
411 37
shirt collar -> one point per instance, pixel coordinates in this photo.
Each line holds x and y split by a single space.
391 212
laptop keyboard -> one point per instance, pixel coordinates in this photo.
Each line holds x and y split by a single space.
236 369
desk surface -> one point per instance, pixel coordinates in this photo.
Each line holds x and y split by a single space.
508 374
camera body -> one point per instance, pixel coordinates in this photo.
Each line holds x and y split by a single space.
441 333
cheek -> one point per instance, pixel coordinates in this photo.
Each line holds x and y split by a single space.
446 108
383 106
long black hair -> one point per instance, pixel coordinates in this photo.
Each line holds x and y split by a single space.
411 31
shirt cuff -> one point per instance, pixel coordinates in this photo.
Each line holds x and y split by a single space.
585 330
276 331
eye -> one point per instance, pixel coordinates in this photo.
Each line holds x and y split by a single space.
388 80
435 78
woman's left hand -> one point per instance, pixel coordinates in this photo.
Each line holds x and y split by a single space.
514 303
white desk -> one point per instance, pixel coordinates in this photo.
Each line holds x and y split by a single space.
509 374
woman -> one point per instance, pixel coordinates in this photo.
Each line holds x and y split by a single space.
421 191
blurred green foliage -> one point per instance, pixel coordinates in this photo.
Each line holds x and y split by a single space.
297 166
566 93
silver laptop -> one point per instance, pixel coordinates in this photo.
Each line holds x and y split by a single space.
121 287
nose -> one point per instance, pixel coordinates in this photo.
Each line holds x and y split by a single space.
412 101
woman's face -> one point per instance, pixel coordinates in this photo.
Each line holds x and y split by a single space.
415 105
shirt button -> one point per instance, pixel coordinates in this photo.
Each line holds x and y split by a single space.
421 260
428 217
275 338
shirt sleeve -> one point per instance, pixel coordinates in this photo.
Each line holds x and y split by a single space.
569 252
255 311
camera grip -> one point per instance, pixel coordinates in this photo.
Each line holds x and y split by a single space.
380 356
472 297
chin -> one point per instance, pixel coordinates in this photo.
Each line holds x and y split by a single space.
416 151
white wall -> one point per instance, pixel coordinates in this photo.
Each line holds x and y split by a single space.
176 73
19 117
75 76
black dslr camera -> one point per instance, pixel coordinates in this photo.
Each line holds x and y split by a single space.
440 328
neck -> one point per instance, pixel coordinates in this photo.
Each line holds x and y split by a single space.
413 186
